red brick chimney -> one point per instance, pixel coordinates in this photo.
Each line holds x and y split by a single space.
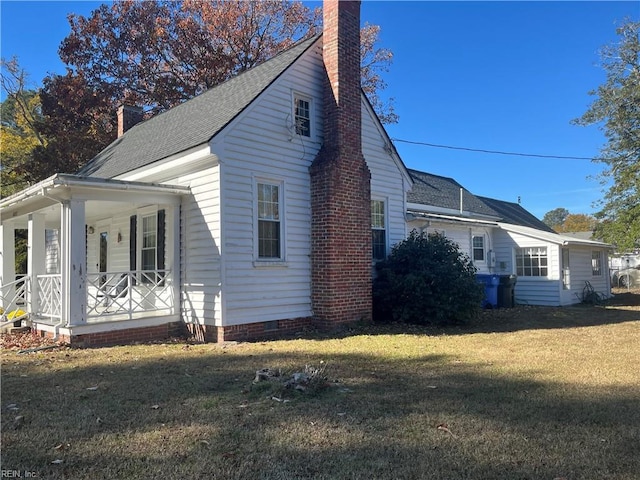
128 116
340 180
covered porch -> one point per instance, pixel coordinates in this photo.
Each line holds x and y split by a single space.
102 256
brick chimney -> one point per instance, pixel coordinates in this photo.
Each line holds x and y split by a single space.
128 116
340 180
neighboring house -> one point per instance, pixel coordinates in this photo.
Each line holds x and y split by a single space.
625 270
502 238
244 212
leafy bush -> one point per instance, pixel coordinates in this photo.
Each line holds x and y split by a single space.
425 280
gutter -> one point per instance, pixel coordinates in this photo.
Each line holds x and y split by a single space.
42 188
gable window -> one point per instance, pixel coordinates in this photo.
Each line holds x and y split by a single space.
378 230
269 221
596 263
302 115
532 262
478 248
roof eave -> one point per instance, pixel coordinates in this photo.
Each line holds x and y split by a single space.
58 187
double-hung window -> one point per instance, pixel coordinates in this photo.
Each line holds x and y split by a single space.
378 230
596 263
478 248
269 221
149 248
532 262
302 115
147 244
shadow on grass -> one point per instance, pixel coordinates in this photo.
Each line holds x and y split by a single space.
519 318
200 416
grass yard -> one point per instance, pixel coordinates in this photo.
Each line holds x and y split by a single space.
524 393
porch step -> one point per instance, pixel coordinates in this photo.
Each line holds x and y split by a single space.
9 323
19 329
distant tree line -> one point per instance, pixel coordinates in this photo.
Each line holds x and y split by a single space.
562 221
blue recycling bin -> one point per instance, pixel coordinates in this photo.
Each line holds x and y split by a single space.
490 283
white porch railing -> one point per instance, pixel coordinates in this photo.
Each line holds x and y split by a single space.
49 295
111 296
13 297
128 295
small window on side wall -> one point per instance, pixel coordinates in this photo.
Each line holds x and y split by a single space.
378 230
596 263
478 248
302 115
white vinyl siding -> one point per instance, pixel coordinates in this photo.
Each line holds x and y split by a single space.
258 147
387 179
200 251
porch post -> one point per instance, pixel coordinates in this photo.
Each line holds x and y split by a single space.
35 258
7 260
73 263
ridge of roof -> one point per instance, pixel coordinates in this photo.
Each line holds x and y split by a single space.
192 122
515 214
444 192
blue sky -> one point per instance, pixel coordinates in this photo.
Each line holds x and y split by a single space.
503 76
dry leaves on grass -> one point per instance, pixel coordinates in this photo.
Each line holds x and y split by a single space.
17 341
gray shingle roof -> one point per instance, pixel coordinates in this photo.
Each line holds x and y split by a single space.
444 192
514 214
191 123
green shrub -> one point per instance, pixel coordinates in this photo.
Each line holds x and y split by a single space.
426 280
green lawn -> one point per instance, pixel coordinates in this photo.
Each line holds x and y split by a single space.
527 393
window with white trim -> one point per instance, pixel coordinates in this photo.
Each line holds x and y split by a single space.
532 262
302 115
148 252
269 221
596 263
477 242
378 230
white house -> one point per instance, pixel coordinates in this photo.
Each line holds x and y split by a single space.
241 213
502 238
